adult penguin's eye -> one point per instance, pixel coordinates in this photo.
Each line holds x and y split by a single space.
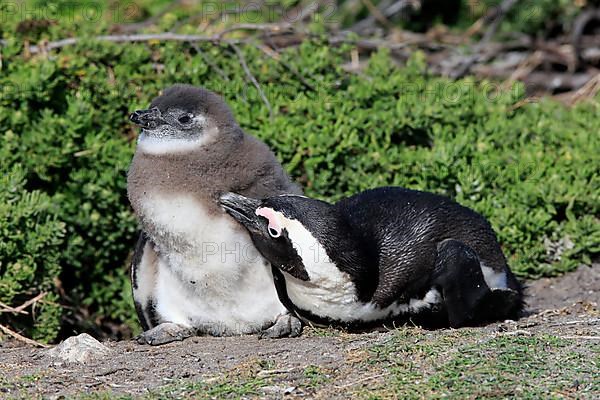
184 119
274 232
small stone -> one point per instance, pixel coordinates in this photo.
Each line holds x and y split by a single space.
289 390
272 389
81 348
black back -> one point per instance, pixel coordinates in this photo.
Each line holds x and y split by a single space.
401 229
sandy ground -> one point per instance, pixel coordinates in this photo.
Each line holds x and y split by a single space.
332 364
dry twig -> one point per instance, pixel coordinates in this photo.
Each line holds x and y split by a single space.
21 309
269 372
21 338
252 78
209 61
579 25
274 55
591 321
495 16
575 337
524 69
498 15
587 91
166 36
365 379
277 28
5 308
378 15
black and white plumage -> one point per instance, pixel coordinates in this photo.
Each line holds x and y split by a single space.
384 254
195 270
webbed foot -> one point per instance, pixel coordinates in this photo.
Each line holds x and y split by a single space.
286 325
166 332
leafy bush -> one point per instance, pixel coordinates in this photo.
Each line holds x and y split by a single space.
538 17
30 239
65 224
543 17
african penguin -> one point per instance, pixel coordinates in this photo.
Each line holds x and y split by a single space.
387 254
195 270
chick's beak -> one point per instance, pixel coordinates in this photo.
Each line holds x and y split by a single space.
243 210
148 119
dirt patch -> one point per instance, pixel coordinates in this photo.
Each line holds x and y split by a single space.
554 352
581 285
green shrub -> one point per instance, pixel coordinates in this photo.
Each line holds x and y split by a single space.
66 226
30 240
537 17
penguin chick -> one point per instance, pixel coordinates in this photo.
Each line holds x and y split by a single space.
195 270
383 255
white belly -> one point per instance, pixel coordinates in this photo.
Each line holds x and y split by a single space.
337 300
209 273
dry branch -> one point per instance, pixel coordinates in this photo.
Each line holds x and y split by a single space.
362 380
274 55
589 90
279 27
210 62
252 78
21 309
166 36
580 55
378 15
579 25
21 338
497 16
5 308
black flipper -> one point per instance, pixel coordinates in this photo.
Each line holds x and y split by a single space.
144 309
458 273
138 253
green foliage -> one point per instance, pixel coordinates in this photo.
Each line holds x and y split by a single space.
30 240
531 170
65 222
534 16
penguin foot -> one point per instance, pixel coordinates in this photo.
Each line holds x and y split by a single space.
286 325
166 332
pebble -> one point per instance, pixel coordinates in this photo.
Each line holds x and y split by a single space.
80 349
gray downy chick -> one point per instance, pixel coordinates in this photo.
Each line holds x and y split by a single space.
195 270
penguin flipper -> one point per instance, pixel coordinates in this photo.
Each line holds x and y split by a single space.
143 272
458 273
166 332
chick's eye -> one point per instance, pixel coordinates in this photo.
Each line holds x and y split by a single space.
184 119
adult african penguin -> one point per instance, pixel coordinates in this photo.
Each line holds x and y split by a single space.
382 255
195 270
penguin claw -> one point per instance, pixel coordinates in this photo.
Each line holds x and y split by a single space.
166 332
286 325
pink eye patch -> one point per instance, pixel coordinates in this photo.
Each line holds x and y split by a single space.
274 225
